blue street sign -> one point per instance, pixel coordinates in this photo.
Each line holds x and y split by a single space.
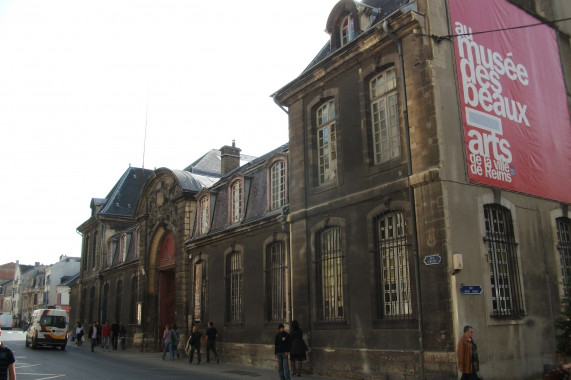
470 289
432 259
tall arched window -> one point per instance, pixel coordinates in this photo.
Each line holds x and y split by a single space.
385 118
277 185
118 298
234 287
105 303
204 215
133 300
392 267
330 276
326 142
276 282
94 251
236 199
92 311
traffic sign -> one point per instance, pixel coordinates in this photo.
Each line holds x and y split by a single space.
432 259
470 289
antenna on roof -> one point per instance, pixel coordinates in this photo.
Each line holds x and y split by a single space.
146 119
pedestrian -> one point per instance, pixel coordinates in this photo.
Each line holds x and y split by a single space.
298 348
114 334
79 334
7 361
281 350
93 334
123 336
98 341
211 335
167 346
106 333
468 362
193 344
175 339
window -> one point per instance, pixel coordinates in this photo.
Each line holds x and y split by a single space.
82 312
105 304
564 247
347 30
392 269
276 282
204 216
111 251
384 114
136 243
133 305
199 290
124 244
503 265
277 185
92 311
118 298
234 289
326 142
86 252
94 251
236 201
330 275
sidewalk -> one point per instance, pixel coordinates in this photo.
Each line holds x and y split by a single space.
207 368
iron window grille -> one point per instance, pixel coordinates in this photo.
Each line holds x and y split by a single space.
564 248
276 282
392 267
507 299
234 287
330 278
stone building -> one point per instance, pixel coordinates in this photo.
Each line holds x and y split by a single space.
398 237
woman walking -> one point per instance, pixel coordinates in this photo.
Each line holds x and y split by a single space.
167 342
298 348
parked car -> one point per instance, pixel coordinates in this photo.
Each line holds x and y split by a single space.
6 322
48 327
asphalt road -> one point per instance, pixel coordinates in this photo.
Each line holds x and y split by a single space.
80 363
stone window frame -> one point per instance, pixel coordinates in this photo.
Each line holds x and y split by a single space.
326 149
234 281
203 214
346 29
276 314
274 201
236 201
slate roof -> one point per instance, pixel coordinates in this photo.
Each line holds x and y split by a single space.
69 280
385 8
210 163
122 199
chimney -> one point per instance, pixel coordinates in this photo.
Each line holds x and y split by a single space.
230 157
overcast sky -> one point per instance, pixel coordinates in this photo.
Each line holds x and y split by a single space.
79 80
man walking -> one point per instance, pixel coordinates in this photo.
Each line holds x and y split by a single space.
211 334
93 335
7 362
468 362
282 347
106 332
114 334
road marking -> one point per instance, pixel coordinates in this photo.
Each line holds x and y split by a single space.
24 365
51 375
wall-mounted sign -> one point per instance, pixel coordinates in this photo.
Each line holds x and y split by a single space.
432 259
470 289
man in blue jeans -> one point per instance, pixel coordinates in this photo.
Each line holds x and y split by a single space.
282 346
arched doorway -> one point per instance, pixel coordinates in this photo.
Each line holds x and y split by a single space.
166 266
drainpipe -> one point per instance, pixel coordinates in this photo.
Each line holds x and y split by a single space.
388 31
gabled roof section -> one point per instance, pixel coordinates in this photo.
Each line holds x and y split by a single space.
210 163
191 181
69 280
122 199
382 8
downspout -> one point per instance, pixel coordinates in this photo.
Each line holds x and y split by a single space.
388 31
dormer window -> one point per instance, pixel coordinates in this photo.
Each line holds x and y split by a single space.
204 215
347 30
236 194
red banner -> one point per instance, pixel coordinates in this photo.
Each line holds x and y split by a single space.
514 105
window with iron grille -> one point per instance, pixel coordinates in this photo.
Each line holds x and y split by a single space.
564 247
234 287
204 216
276 282
236 201
384 115
503 263
199 290
118 300
105 304
330 278
133 300
326 142
278 185
392 267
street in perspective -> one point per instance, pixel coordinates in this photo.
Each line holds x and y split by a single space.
76 362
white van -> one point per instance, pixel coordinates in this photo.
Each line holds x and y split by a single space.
6 322
48 327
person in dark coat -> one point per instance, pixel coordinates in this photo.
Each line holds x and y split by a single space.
467 353
193 344
115 334
298 348
281 350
